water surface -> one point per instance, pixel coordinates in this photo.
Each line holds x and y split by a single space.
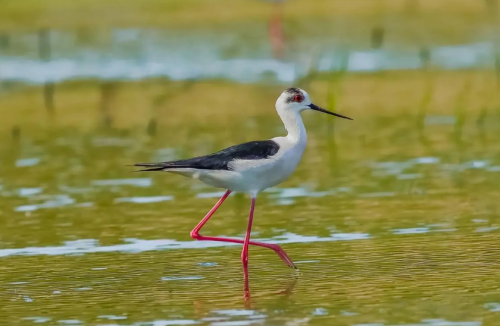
380 238
392 219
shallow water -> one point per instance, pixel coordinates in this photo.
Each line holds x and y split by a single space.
137 54
386 230
392 219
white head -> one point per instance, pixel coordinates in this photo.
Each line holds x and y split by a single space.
297 100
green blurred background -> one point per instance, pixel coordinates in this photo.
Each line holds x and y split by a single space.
392 218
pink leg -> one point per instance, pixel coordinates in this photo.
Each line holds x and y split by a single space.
244 253
196 235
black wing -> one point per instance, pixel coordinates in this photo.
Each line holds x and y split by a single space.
220 160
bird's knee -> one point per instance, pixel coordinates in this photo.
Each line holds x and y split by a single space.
194 234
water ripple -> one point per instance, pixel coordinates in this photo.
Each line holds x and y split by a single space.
86 246
143 200
138 182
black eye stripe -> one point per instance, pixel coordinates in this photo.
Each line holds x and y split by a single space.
294 91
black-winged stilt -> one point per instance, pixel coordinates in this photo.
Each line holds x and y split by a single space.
251 167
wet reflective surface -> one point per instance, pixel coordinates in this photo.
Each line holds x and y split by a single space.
392 219
396 233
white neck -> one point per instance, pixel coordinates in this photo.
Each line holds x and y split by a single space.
294 125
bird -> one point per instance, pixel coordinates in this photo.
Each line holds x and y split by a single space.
250 167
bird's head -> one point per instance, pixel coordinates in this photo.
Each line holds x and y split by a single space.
297 100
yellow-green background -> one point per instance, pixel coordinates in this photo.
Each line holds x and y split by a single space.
447 271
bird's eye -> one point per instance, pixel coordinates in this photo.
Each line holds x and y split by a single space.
298 98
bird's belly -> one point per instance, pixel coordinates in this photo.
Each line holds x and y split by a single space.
220 179
276 174
252 180
269 174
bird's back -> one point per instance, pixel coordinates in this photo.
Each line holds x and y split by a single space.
248 167
220 160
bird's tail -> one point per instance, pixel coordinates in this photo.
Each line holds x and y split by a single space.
165 166
150 167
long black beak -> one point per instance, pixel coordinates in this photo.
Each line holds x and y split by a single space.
320 109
